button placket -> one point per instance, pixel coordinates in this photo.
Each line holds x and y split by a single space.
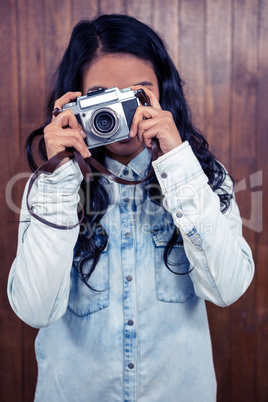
129 288
127 195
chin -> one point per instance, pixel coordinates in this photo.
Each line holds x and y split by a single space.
125 147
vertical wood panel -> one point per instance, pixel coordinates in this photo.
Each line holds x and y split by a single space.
57 29
192 59
143 10
84 9
218 76
262 241
11 380
244 125
109 7
217 131
166 22
33 36
31 59
245 75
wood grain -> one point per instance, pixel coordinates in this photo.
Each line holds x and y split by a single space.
192 56
218 81
57 25
262 239
11 345
220 49
143 10
166 14
218 73
244 163
110 7
83 10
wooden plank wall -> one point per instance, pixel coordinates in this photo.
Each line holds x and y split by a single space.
220 48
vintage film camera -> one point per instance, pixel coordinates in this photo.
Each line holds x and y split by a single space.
106 114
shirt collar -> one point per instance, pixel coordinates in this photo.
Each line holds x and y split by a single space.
139 165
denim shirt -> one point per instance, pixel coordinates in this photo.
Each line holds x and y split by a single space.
140 333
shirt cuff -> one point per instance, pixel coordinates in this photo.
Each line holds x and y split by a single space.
178 167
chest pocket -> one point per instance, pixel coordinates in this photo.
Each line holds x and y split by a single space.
84 300
170 287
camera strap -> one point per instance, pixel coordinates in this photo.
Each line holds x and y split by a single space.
84 164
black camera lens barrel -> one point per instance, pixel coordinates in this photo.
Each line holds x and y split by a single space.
104 122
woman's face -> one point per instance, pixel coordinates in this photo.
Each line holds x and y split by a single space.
122 71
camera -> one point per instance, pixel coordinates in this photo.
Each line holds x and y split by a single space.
106 114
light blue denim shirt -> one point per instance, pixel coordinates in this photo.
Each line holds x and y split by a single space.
143 335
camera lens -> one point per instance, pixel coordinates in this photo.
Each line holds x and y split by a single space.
104 122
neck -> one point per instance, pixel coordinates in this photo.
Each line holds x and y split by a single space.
124 159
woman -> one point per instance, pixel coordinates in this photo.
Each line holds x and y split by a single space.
121 305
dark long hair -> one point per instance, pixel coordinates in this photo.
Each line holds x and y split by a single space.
113 34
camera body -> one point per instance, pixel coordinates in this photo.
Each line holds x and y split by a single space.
106 114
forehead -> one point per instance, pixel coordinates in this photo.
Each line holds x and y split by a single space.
118 70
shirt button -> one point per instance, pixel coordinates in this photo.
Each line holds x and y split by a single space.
128 234
130 365
130 323
126 172
126 199
179 214
129 278
164 175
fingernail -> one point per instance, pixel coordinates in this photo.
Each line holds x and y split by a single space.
87 154
131 133
83 134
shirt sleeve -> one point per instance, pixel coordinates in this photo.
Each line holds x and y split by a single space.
221 259
39 280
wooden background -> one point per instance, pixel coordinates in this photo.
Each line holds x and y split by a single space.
220 48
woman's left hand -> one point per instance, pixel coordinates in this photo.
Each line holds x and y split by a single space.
153 122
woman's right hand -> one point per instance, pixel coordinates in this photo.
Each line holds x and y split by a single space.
64 131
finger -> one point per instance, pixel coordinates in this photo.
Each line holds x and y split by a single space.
145 125
67 132
161 129
146 132
145 137
153 99
142 113
66 98
67 142
67 119
58 140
